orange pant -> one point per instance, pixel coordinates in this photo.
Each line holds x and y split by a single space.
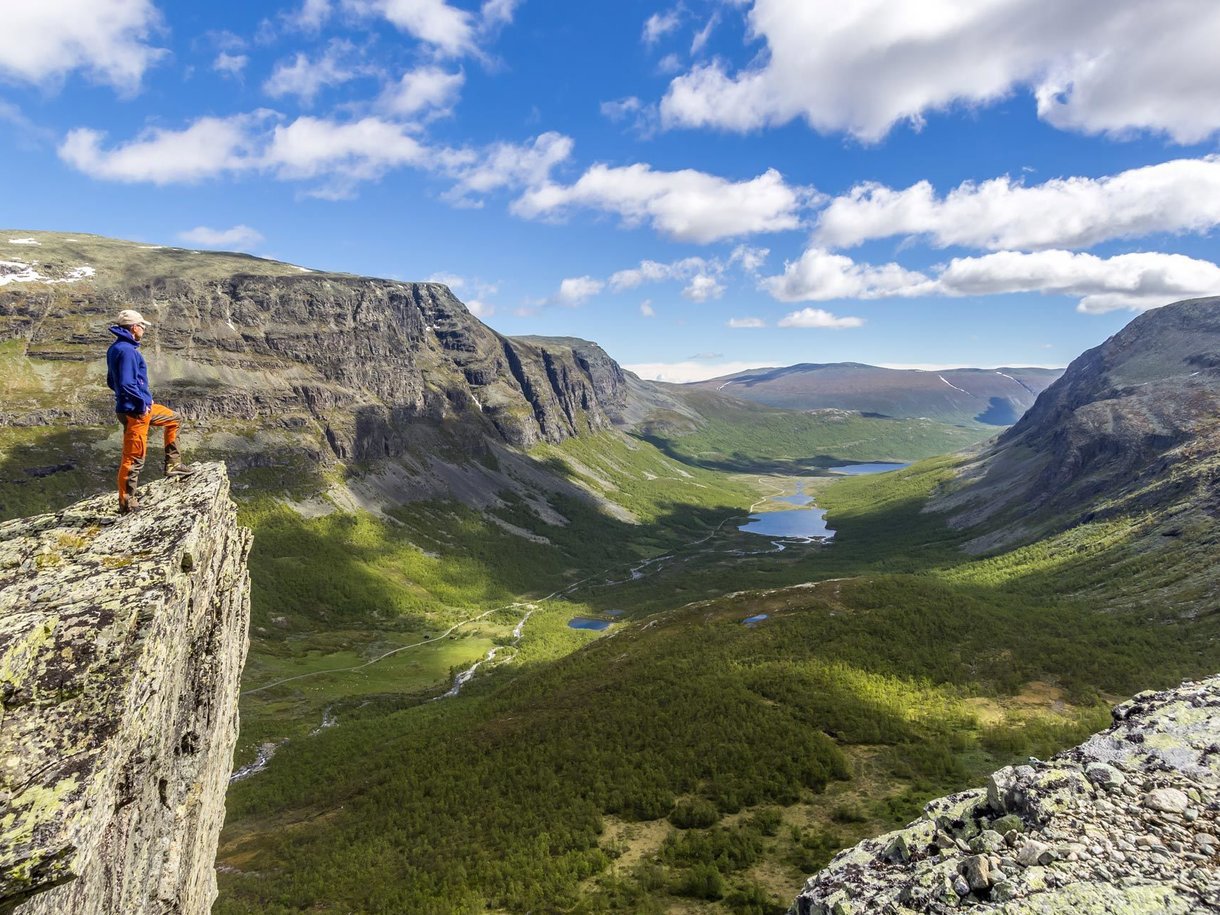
135 445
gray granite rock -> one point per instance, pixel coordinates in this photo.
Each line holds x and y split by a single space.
122 642
1128 822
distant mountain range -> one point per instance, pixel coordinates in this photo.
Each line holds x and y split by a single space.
994 397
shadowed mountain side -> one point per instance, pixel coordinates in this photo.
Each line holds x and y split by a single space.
1132 427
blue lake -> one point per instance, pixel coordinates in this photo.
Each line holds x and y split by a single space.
757 618
587 622
798 523
807 522
797 498
854 470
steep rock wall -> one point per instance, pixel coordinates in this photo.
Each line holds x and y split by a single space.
1128 822
343 367
121 647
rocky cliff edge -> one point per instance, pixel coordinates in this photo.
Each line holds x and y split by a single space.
122 642
1124 824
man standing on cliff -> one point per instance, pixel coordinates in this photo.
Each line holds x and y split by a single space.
127 376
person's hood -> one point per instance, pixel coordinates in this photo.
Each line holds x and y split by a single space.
124 334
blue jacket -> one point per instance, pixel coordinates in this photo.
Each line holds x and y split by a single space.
127 374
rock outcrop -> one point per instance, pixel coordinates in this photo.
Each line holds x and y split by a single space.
122 642
1127 822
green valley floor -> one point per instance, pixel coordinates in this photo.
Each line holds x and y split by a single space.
679 760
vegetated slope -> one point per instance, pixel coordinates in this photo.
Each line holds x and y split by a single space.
686 759
995 397
1132 429
925 666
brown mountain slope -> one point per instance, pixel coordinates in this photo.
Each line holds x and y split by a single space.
1132 426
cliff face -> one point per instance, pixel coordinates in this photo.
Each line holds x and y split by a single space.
1127 822
329 366
121 647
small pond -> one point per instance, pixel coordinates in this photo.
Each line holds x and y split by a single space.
752 620
588 622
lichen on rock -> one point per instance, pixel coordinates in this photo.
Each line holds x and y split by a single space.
122 642
1127 823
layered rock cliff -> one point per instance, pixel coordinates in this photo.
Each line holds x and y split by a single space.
1127 822
122 642
330 366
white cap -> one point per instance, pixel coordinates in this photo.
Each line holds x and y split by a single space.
128 317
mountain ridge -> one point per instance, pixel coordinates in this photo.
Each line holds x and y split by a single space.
993 397
1133 425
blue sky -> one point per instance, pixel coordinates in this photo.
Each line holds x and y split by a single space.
699 186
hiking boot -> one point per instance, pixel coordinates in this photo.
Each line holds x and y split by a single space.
130 507
178 470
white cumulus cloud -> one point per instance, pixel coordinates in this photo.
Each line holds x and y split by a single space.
746 322
44 40
305 77
343 152
230 64
424 89
650 271
820 318
207 148
1135 282
576 290
311 15
818 275
703 287
450 30
338 153
506 165
658 25
1094 66
237 237
687 205
1182 195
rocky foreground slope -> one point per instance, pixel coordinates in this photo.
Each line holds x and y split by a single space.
1127 822
121 648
